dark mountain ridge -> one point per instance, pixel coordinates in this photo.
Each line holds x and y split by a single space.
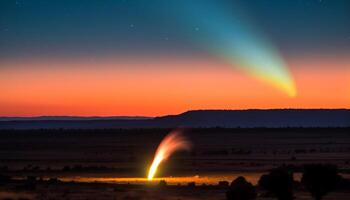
275 118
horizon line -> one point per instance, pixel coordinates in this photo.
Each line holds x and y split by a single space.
151 117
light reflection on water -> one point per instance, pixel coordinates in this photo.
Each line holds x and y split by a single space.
183 180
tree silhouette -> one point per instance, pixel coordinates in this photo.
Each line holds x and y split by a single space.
240 189
320 179
279 182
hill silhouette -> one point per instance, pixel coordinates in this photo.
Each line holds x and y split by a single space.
276 118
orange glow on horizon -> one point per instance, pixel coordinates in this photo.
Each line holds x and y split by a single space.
158 87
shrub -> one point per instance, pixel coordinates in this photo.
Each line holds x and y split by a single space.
162 183
191 184
240 189
320 179
279 182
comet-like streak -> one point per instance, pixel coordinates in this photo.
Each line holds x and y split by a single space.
174 141
226 31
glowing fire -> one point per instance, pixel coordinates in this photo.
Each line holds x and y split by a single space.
172 142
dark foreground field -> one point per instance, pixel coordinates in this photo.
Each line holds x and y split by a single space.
91 191
99 164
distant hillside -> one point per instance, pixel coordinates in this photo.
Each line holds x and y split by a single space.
41 118
201 118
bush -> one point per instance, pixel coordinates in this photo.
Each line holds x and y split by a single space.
240 189
279 182
320 179
162 183
191 184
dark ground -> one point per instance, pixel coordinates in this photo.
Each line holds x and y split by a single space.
128 153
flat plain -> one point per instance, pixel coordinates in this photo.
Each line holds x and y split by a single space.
115 161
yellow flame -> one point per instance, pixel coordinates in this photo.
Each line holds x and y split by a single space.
172 142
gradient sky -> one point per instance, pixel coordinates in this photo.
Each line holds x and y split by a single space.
139 57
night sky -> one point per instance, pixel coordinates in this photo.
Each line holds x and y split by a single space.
138 57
